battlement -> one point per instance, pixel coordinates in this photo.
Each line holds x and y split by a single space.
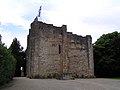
39 26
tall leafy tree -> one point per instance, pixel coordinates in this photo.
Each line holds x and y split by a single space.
7 65
107 55
17 51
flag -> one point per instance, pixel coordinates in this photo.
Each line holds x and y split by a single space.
39 12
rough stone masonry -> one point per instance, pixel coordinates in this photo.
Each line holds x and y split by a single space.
52 52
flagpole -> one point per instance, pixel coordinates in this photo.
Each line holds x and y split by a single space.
39 14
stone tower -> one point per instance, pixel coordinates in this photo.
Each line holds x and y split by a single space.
52 52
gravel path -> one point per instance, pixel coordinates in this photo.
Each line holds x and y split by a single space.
22 83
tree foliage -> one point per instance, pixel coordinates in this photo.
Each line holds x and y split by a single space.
107 55
7 65
17 51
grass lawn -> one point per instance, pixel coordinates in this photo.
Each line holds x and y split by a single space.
115 78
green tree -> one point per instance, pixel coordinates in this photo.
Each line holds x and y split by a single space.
7 65
107 55
17 51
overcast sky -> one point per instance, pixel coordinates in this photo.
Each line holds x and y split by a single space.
82 17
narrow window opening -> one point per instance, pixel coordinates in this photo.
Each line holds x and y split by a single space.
59 49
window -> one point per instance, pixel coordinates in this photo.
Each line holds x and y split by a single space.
59 49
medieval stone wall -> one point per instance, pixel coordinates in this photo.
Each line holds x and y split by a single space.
53 51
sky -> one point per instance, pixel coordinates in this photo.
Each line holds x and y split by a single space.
82 17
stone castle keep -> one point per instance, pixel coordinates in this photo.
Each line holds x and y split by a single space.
52 51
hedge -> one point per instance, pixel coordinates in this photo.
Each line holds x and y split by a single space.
7 65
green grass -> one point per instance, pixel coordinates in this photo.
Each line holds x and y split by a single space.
115 78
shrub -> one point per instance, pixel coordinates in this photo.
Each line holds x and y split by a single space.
7 65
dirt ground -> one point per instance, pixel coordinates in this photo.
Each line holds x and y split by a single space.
22 83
